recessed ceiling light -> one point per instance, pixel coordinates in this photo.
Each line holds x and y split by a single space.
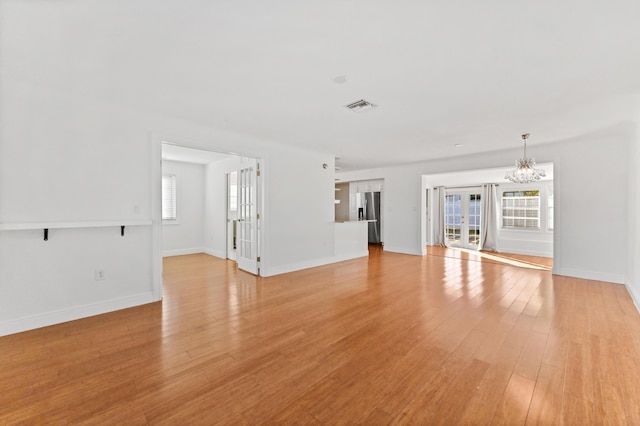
458 145
340 79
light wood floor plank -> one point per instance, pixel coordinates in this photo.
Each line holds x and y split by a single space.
448 338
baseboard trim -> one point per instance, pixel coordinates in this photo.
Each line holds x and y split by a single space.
182 252
590 275
355 255
526 252
404 250
634 297
292 267
63 315
214 253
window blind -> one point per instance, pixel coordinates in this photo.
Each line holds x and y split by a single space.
169 210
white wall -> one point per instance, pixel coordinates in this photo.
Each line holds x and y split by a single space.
298 211
591 208
67 156
186 234
633 281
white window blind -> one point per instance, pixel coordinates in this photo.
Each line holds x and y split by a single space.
169 210
521 209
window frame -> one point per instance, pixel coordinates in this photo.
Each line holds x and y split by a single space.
169 220
550 208
540 227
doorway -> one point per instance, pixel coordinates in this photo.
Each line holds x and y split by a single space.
462 219
216 197
511 236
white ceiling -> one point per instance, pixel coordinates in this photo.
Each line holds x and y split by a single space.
476 73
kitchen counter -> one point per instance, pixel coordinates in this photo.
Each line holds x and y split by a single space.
351 239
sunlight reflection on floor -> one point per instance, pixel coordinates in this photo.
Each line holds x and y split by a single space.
503 258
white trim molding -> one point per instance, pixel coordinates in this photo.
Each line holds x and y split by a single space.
182 252
591 275
56 317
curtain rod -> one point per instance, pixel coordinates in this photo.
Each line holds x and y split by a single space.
465 187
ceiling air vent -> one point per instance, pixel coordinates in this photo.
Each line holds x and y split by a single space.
360 106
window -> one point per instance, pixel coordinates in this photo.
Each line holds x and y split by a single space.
169 210
550 201
521 209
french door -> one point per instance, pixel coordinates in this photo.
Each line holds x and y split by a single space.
462 219
247 227
232 214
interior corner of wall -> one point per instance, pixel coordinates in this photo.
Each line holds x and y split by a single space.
634 293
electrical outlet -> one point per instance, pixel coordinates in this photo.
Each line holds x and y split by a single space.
99 275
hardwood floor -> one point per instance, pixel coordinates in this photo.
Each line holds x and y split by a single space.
392 339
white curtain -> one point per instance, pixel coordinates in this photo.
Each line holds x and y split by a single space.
489 225
438 216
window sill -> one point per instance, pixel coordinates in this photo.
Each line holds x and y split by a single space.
538 231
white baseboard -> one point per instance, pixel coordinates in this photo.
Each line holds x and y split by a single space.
525 252
292 267
354 255
56 317
182 252
215 253
634 296
591 275
197 250
404 250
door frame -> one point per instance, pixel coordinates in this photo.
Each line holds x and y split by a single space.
464 213
156 141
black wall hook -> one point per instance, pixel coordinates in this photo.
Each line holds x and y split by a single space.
46 234
122 230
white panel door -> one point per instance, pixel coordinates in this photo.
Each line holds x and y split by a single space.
247 232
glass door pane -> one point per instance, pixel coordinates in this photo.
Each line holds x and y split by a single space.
452 220
473 220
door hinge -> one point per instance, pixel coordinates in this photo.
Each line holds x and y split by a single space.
258 216
258 258
257 172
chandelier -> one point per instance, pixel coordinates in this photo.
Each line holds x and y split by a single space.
525 171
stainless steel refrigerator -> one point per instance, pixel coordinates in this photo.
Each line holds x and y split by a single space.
369 209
